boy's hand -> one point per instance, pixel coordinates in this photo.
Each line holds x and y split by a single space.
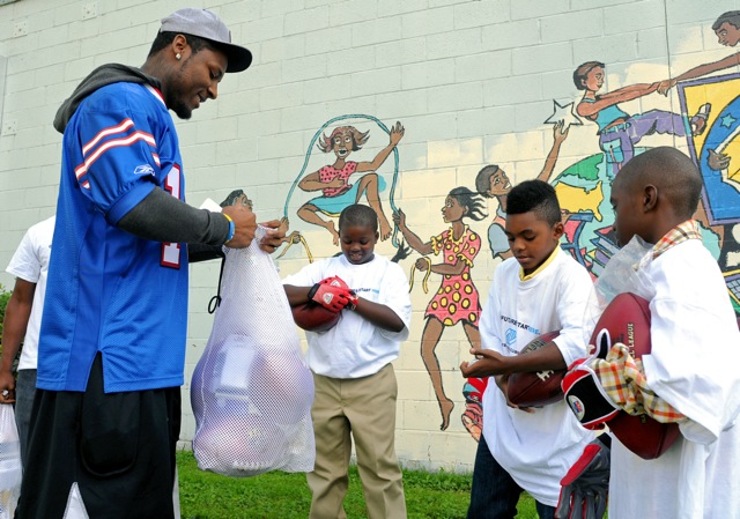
488 363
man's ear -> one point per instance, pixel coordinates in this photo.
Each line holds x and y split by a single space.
179 44
649 198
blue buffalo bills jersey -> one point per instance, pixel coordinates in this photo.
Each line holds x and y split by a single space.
108 290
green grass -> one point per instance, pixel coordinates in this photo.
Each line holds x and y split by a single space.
204 495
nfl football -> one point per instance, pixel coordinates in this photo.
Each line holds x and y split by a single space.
627 319
536 388
313 317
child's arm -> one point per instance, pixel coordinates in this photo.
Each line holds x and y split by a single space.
296 295
491 363
380 315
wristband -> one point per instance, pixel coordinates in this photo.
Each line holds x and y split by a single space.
232 229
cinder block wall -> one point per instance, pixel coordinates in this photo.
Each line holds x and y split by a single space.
472 81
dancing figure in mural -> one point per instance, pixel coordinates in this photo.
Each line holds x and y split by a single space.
493 182
727 29
619 131
333 179
456 301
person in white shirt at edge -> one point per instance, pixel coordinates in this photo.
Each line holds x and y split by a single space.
695 349
29 265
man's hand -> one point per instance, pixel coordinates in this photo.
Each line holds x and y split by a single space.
274 235
245 224
487 363
583 491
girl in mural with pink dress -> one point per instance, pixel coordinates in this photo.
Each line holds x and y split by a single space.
456 300
333 179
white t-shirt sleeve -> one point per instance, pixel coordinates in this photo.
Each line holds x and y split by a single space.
25 263
571 310
395 295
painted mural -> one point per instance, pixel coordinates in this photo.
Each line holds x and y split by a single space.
709 122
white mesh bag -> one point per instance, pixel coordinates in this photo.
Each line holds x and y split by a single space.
252 390
10 462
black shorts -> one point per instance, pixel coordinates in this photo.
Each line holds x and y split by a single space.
116 449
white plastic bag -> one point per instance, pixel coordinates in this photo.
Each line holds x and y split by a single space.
252 390
10 462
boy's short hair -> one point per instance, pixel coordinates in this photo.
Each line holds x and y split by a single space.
536 196
358 215
731 17
672 171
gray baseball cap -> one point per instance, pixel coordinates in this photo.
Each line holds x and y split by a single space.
205 24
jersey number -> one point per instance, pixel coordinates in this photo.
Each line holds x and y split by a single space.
171 251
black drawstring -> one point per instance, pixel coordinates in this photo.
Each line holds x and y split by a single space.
215 301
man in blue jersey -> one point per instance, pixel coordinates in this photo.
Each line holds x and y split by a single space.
106 417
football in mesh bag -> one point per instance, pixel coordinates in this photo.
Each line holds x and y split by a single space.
313 317
536 388
627 319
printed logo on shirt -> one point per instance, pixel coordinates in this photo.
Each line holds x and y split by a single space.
510 336
143 170
523 326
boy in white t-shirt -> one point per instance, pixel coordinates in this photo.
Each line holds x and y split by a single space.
355 386
29 265
695 350
540 289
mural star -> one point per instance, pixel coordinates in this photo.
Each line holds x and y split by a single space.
728 120
564 114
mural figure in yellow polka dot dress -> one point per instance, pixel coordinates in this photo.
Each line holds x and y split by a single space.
456 300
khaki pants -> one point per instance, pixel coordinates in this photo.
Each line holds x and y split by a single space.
366 409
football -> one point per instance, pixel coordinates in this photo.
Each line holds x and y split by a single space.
627 320
313 317
536 388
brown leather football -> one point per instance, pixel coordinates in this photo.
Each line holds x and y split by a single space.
536 388
627 319
313 317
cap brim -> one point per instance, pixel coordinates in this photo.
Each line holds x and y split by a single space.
238 58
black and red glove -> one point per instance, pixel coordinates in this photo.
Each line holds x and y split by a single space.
584 489
586 397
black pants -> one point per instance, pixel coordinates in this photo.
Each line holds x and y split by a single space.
118 448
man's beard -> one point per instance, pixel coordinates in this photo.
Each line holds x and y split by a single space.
182 110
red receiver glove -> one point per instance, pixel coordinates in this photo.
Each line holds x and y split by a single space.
333 294
584 489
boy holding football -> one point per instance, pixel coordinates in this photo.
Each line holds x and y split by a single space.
540 289
355 386
693 363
